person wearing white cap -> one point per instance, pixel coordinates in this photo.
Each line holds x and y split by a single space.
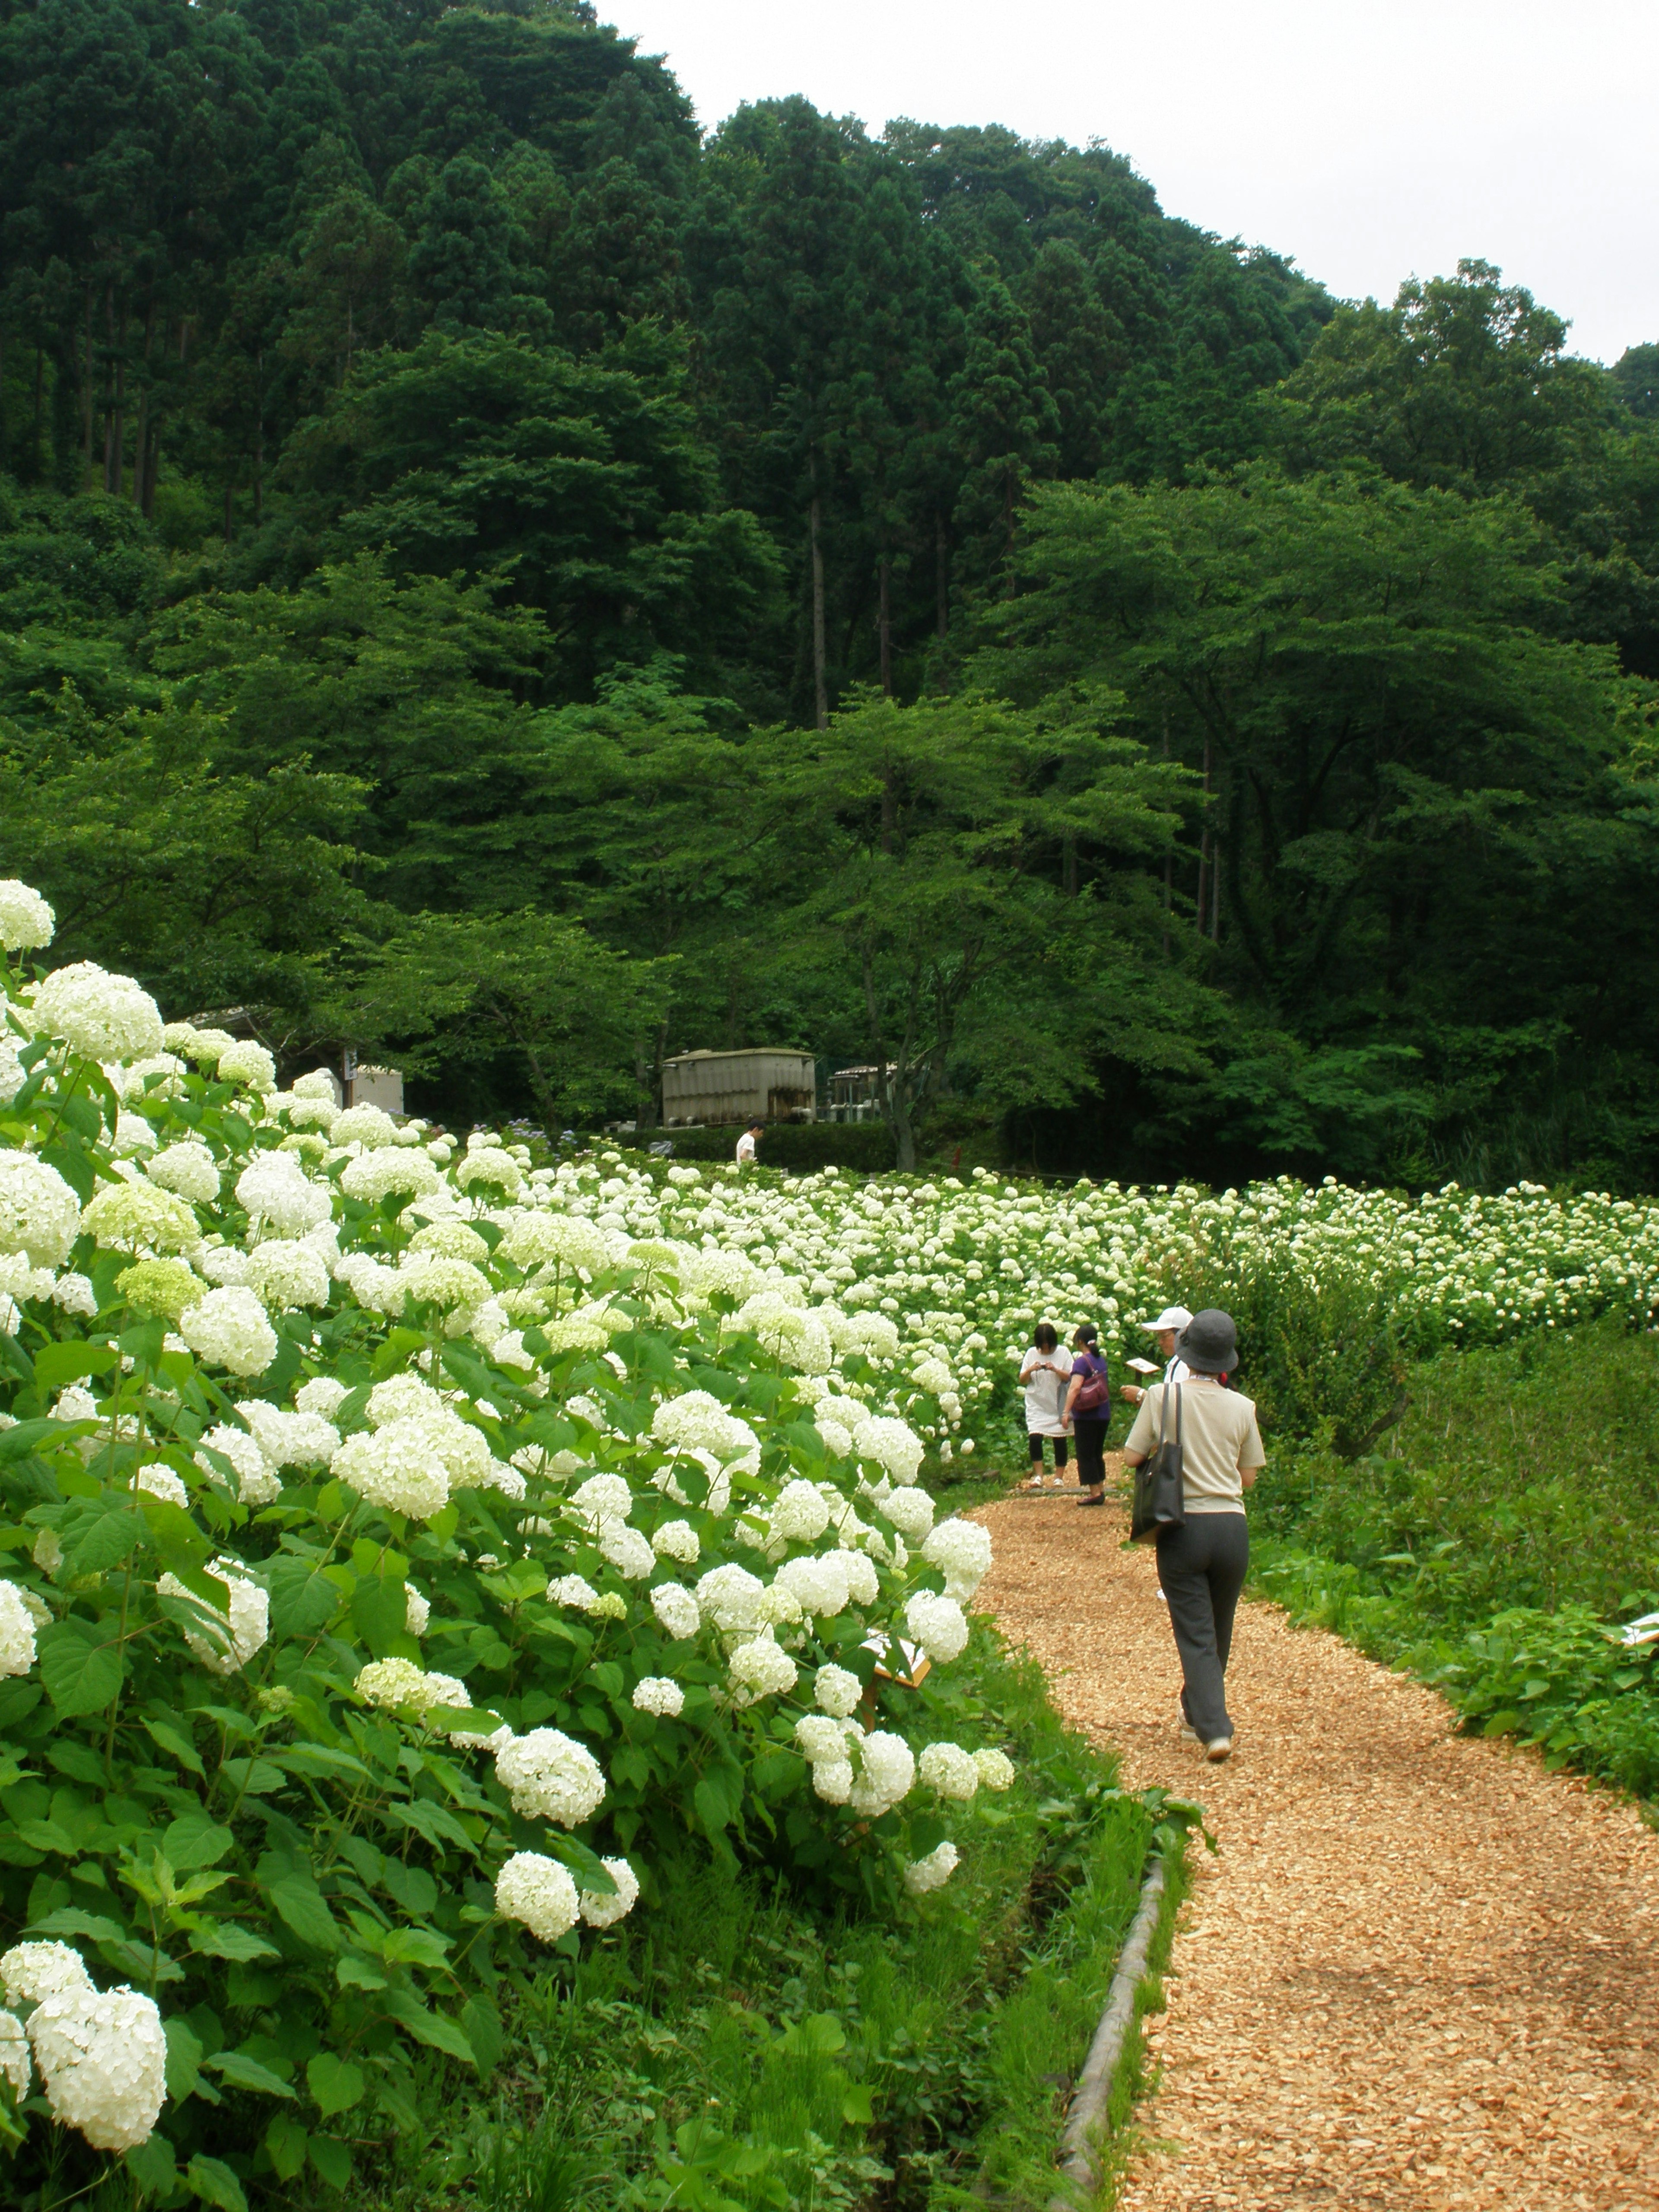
1166 1327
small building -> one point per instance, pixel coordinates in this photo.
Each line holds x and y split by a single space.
713 1088
852 1094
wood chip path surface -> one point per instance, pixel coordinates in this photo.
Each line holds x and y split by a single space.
1422 1974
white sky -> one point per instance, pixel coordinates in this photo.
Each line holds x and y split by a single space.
1366 142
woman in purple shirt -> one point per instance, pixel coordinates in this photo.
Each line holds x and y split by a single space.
1089 1412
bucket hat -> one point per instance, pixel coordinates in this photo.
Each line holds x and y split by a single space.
1209 1343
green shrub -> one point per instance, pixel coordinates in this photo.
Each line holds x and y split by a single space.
862 1147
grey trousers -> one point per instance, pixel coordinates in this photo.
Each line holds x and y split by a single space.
1202 1569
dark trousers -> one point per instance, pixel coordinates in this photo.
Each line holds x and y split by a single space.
1035 1443
1201 1570
1091 1439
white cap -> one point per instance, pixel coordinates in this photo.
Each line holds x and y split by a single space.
1174 1318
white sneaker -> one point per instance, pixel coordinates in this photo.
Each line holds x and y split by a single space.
1222 1749
1185 1725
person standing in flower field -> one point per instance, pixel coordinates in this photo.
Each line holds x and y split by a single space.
1089 1411
1201 1563
1165 1328
746 1143
1043 1375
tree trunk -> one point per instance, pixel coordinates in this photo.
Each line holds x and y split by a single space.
884 628
820 679
941 577
258 437
115 422
152 457
141 435
86 398
230 515
1204 847
39 397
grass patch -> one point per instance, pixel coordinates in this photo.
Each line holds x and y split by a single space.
754 2044
1511 1525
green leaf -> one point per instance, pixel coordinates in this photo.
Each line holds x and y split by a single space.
331 2160
379 1611
285 2141
483 2026
153 2166
57 1364
820 2035
101 1537
70 1922
435 2028
81 1670
47 1836
354 1971
430 1821
175 1745
177 1540
856 2106
184 2057
245 2073
193 1840
336 2084
302 1599
306 1912
228 1939
18 1443
214 2183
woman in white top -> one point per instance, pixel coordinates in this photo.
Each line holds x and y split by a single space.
1043 1374
1200 1565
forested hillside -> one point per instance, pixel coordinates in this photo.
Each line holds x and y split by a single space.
491 577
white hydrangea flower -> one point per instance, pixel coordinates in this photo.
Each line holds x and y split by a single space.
99 1015
223 1265
729 1598
962 1550
39 1214
910 1510
491 1166
863 1582
159 1481
376 1289
676 1609
454 1285
256 1482
799 1514
660 1694
836 1690
677 1540
554 1240
445 1690
833 1779
74 1294
996 1769
697 1422
32 1971
135 1216
759 1669
283 1274
819 1584
323 1395
939 1625
16 1631
572 1590
922 1875
233 1640
403 1397
894 1447
417 1612
819 1736
248 1064
392 1682
371 1126
276 1194
229 1328
948 1768
26 920
602 1498
536 1892
188 1170
600 1910
397 1468
393 1170
549 1777
887 1770
291 1439
103 2059
837 1440
15 2064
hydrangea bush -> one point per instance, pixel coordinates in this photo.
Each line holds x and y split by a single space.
406 1550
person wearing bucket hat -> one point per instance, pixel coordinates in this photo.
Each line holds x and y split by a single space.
1201 1563
1166 1327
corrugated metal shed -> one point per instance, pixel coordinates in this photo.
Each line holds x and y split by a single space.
756 1086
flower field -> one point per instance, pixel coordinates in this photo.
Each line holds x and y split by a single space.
411 1548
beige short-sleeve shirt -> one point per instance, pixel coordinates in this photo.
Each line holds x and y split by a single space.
1218 1437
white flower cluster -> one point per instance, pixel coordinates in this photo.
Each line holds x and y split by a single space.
101 2053
551 1776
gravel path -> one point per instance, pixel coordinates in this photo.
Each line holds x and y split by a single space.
1422 1973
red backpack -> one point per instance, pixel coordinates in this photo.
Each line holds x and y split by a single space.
1096 1389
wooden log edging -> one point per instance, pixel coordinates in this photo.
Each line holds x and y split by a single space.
1094 2087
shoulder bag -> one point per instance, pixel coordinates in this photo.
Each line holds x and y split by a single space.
1094 1391
1160 1498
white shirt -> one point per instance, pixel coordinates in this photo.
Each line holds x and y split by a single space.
1044 1374
1177 1370
746 1149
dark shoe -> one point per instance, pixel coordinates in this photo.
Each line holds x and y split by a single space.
1083 1501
